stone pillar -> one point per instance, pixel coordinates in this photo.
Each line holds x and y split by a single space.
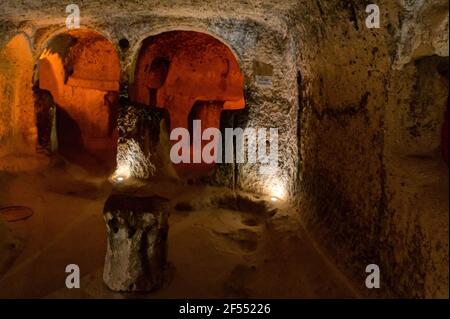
136 254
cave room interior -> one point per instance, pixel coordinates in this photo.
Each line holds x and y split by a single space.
224 149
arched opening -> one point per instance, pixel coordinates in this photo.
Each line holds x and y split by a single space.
193 76
77 98
17 127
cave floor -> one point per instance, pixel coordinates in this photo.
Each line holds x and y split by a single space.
213 253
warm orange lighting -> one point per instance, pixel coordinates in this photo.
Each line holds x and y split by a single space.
192 75
82 74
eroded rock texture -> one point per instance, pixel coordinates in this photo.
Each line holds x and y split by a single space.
424 30
359 113
137 242
369 138
138 134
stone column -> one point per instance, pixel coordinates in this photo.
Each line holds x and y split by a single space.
137 229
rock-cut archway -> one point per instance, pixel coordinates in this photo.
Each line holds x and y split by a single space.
193 76
77 97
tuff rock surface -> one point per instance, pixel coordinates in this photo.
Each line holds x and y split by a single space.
137 242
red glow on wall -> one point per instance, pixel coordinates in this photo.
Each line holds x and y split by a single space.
81 70
177 70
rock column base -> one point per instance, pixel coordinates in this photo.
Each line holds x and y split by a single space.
136 254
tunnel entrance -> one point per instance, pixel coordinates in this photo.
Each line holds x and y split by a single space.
77 98
193 76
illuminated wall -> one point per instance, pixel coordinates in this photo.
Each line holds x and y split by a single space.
179 69
81 70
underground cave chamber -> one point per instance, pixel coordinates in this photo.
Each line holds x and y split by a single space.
190 76
76 98
362 173
183 75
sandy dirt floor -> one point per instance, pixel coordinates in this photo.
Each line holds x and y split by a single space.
214 252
